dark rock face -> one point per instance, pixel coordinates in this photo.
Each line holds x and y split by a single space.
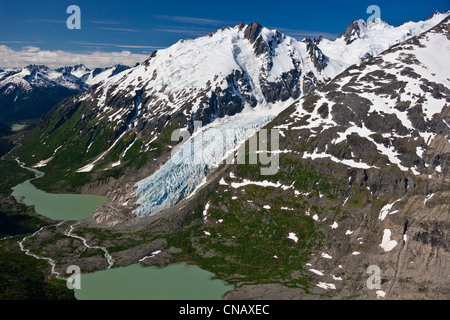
227 102
434 235
282 90
240 26
253 31
319 60
351 33
318 40
310 83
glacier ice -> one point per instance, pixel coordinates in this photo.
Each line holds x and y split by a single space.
187 169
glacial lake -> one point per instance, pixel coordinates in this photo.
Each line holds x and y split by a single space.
175 282
57 206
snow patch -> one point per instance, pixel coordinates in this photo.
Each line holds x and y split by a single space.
293 237
320 273
387 244
326 286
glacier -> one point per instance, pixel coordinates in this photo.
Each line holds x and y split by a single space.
187 169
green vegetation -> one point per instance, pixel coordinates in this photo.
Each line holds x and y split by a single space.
247 244
24 278
21 276
305 177
67 130
11 174
5 144
15 218
31 104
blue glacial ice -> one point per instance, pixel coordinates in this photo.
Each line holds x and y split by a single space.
187 169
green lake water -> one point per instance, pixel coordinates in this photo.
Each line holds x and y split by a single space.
175 282
58 206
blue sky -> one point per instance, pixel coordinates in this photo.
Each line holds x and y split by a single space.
140 27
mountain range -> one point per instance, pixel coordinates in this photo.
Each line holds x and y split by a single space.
363 176
27 93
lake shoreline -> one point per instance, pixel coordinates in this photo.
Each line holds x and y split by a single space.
58 207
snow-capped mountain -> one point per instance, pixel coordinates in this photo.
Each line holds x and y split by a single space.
28 92
363 177
90 77
364 162
361 41
390 110
216 75
38 76
243 70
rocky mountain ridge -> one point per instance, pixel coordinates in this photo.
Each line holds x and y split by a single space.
27 93
229 72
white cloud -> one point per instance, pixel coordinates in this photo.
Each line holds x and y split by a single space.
10 58
193 20
120 29
116 45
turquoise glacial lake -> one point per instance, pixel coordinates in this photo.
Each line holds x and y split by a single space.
175 282
57 206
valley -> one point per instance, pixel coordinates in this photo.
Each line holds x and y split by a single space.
363 174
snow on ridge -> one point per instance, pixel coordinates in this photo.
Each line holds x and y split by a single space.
334 225
205 212
320 273
386 210
374 39
326 286
265 183
346 162
326 256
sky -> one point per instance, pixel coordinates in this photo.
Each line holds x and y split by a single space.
119 31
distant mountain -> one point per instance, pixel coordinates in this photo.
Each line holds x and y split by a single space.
29 92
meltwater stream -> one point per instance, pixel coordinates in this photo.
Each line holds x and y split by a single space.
186 171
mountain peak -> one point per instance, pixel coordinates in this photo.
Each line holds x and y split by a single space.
377 24
437 13
253 31
36 67
353 31
359 29
240 26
